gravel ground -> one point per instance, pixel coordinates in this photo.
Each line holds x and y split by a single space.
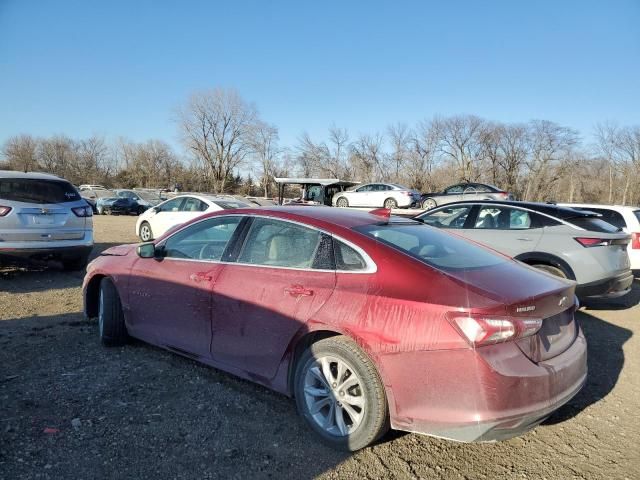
70 408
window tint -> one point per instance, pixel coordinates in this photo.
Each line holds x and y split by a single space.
204 240
37 191
503 218
347 258
281 244
609 216
453 190
172 205
365 188
433 247
450 217
192 204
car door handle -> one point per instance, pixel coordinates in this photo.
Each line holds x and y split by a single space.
298 291
525 239
200 277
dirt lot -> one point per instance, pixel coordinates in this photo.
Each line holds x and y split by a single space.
70 408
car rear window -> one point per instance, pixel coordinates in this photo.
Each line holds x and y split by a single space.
432 246
37 191
609 216
593 224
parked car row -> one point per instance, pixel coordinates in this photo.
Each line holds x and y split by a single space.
391 195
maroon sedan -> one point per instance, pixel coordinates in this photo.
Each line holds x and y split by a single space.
369 322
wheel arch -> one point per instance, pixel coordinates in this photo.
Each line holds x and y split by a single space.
299 344
533 258
91 295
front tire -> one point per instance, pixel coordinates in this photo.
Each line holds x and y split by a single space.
342 202
339 394
429 203
112 329
390 203
146 234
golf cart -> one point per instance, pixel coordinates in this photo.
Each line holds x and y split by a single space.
315 191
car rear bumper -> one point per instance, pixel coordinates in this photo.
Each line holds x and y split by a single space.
493 393
612 287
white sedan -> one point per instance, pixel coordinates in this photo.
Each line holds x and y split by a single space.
175 211
387 195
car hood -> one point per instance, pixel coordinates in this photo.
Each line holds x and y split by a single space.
118 250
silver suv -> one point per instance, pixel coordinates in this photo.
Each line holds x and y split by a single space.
43 217
569 243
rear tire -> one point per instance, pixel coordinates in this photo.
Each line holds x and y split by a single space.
429 203
145 233
342 202
390 203
550 269
340 395
112 329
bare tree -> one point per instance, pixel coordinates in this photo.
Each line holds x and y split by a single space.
265 148
216 128
400 138
21 153
367 157
460 142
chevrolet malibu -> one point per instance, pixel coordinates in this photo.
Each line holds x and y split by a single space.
369 322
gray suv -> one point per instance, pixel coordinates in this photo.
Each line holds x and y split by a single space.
568 243
43 217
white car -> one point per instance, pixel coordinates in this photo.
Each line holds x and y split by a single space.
624 217
157 220
387 195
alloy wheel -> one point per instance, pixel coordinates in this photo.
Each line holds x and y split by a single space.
333 395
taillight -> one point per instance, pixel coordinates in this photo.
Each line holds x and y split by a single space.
487 330
504 195
635 240
82 211
408 194
593 242
4 210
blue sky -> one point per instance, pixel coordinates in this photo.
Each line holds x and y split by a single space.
119 68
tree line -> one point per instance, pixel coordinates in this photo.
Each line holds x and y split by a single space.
228 147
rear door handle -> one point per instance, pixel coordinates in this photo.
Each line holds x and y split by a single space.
298 291
524 239
200 277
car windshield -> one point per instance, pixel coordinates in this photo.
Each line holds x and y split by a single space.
229 204
37 190
432 246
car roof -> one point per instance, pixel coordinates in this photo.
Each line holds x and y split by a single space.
318 214
603 206
547 208
29 175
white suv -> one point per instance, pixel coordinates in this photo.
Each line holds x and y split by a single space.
624 217
43 217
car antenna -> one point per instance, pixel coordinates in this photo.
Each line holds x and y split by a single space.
382 212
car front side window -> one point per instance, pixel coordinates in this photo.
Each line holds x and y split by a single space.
172 205
206 240
450 217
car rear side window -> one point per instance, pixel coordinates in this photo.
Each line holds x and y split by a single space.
230 204
432 246
347 259
503 218
276 243
37 191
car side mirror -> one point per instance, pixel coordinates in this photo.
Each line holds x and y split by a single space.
156 209
147 250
